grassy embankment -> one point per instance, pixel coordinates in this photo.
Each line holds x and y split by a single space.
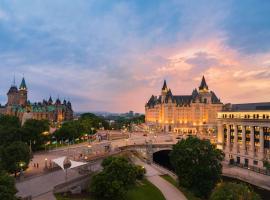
189 195
143 190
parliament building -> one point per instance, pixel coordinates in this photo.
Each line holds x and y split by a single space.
19 105
188 114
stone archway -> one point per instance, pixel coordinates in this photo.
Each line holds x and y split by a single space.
162 158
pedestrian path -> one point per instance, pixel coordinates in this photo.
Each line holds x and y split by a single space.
169 191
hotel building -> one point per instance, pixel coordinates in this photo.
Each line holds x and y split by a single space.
244 134
191 114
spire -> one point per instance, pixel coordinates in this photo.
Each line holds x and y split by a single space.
164 85
23 85
203 85
14 82
50 101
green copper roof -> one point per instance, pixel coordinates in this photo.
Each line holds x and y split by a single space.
23 85
37 108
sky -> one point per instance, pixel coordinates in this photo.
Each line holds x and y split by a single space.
112 55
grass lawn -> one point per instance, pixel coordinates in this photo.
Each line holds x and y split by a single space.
143 190
146 191
188 194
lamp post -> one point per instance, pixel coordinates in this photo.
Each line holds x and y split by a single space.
21 164
126 142
46 164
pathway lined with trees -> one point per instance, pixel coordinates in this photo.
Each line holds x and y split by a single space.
169 191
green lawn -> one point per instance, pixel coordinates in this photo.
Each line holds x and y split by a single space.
146 191
187 193
143 190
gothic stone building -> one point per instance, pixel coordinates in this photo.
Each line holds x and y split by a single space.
191 114
18 105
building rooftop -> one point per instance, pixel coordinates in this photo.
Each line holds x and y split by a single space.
250 106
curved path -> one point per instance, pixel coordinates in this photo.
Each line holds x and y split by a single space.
169 191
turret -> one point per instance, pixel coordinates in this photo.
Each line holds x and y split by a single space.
13 94
58 101
50 101
203 87
23 93
164 91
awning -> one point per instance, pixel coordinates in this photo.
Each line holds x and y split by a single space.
60 161
76 164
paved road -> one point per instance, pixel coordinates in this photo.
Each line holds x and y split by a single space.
41 187
169 191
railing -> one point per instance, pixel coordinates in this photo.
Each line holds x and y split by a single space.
252 168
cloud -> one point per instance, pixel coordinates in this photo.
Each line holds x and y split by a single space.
114 55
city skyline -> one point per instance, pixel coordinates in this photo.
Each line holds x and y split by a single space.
111 56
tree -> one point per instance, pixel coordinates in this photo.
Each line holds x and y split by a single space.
266 164
15 156
233 191
88 123
197 164
117 177
7 187
10 129
33 131
9 121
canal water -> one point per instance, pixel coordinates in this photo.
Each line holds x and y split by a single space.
162 158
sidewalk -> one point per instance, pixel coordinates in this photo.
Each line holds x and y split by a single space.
246 175
169 191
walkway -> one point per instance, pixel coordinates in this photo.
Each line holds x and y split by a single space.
169 191
41 187
249 176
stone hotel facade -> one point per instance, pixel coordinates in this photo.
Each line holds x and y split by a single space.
191 114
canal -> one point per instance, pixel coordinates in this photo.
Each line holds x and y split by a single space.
162 158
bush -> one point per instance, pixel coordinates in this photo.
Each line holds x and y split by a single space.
233 191
7 187
117 177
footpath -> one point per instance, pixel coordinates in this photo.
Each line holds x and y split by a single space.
169 191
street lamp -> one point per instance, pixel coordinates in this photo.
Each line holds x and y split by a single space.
46 164
126 142
21 164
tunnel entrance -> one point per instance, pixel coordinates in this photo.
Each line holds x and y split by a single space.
162 158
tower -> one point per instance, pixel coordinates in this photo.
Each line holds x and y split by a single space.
13 94
164 90
203 87
23 93
204 92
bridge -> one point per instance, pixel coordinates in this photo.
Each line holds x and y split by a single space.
148 149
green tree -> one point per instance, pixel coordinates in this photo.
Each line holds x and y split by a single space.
15 156
116 178
197 164
7 187
10 129
9 121
233 191
33 131
266 164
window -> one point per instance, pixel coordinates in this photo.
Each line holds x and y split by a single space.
255 162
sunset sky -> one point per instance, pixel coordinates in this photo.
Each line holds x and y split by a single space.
112 55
